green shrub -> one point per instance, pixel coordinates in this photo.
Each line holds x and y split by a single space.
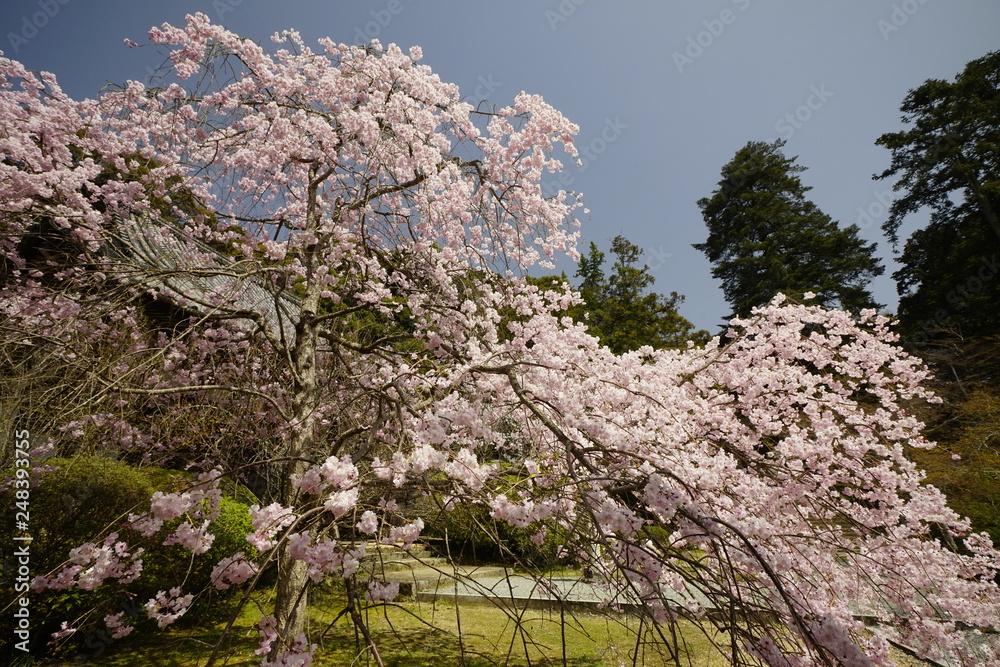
173 565
473 535
85 499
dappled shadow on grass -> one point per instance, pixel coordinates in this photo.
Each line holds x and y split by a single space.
411 634
178 647
427 647
428 634
408 634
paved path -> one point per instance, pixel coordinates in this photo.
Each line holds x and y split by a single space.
431 579
527 592
523 592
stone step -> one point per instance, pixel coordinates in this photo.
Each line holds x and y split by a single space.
397 563
375 550
417 579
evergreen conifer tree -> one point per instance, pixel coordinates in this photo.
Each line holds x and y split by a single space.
765 237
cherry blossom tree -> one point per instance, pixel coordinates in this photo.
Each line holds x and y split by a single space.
309 264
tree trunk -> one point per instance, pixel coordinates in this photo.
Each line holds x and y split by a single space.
291 601
292 587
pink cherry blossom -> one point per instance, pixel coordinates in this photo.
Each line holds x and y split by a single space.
268 522
167 607
341 243
406 534
233 571
368 523
382 592
118 629
90 565
197 540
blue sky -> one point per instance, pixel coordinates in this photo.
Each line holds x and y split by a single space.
665 92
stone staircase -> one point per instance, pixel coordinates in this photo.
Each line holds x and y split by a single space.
416 568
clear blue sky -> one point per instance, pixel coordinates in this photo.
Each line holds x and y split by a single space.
665 92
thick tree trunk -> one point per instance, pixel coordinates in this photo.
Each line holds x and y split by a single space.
291 601
292 587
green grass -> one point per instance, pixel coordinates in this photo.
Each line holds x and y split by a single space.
411 634
493 636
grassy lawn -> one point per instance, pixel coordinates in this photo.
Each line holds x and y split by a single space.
492 636
418 634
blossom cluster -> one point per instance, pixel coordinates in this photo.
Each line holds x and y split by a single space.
268 522
167 607
90 565
325 556
233 571
767 466
300 653
118 629
382 592
201 504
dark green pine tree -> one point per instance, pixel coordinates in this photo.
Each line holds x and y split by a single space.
765 237
948 161
621 308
